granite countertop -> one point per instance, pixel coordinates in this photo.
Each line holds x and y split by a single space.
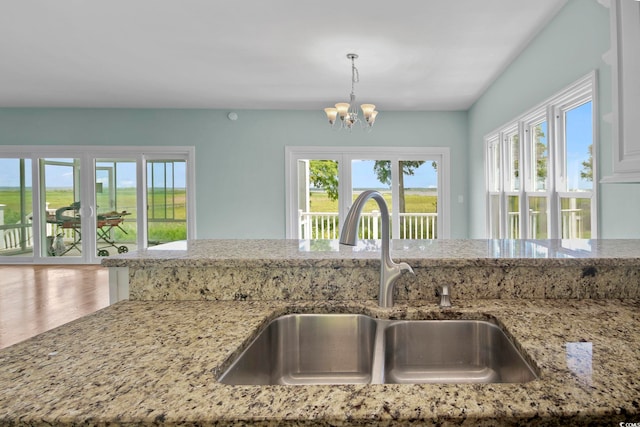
419 253
141 362
325 270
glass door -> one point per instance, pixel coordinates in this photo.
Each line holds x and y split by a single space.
372 175
116 193
60 208
324 182
73 205
318 199
418 199
16 204
410 188
166 201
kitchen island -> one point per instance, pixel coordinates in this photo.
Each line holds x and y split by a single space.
155 359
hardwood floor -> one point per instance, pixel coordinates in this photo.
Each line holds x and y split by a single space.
34 299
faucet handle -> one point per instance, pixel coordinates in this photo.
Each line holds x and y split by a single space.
445 297
405 267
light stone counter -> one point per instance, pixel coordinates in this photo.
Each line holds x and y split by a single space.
422 253
150 363
323 270
572 306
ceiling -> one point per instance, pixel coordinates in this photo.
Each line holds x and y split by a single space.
259 54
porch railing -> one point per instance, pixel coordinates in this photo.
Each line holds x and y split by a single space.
324 225
572 224
20 236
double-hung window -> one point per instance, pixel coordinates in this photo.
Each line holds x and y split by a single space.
540 170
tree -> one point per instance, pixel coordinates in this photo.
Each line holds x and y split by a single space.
323 174
382 168
541 155
587 172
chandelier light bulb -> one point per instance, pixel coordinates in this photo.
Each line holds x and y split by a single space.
367 110
371 120
343 109
332 113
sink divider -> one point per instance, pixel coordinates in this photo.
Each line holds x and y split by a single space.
377 365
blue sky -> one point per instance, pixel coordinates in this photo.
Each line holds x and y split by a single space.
579 136
364 176
62 176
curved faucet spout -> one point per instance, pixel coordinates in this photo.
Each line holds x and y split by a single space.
389 270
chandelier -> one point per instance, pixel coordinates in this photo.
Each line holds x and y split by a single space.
348 112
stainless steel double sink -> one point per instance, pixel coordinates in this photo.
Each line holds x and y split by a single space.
305 349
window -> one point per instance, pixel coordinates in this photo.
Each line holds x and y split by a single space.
75 204
16 200
322 183
166 201
540 170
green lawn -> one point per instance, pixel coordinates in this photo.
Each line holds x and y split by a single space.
414 202
163 212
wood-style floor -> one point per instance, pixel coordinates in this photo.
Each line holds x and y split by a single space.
34 299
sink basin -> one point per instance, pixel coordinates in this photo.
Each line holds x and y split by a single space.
308 349
304 349
452 351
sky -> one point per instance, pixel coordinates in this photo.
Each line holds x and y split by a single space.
579 136
60 176
363 176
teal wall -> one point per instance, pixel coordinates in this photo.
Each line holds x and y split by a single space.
240 164
568 48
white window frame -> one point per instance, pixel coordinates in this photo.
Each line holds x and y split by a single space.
493 179
87 156
344 156
527 122
552 111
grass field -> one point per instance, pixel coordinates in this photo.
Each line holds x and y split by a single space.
167 216
415 202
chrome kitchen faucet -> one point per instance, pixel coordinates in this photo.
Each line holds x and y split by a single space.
389 270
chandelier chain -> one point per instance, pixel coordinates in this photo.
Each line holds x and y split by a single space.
355 75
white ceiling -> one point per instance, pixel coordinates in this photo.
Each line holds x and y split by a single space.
265 54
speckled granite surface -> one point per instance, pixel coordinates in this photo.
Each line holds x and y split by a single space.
151 363
420 253
348 283
324 270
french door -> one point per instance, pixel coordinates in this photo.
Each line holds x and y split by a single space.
75 205
322 183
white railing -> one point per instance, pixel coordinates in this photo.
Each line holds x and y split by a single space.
318 225
324 225
419 225
16 236
513 225
20 236
572 224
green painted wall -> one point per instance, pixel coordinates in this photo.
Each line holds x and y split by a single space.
569 47
240 164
